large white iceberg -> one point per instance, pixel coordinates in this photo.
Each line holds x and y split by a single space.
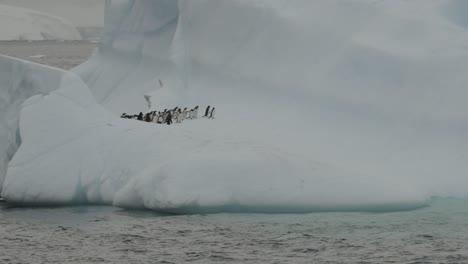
95 158
322 105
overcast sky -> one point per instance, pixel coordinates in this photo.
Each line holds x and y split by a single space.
82 13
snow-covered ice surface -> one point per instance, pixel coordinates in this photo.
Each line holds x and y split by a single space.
17 23
321 105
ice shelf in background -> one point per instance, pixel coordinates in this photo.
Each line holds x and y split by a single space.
18 23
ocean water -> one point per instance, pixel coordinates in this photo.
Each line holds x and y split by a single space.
434 234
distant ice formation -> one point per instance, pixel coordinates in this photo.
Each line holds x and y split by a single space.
82 13
321 105
18 23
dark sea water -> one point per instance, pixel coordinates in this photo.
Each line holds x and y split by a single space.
435 234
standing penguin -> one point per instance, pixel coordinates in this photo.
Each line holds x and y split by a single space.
195 113
207 111
212 115
148 117
160 119
182 115
140 116
169 118
175 116
192 113
179 116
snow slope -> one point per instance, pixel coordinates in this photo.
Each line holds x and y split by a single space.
322 105
24 24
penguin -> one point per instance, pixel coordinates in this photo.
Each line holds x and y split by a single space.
179 116
160 118
207 111
182 115
212 115
140 116
195 113
175 116
169 118
148 117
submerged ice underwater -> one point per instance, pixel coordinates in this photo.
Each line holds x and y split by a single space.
326 105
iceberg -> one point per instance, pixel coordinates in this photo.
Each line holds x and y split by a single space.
96 158
19 23
82 14
321 105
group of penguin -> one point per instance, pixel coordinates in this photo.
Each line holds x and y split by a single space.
176 115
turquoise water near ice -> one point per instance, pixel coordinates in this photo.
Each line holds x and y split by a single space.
437 233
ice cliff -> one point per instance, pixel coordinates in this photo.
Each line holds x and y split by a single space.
322 105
